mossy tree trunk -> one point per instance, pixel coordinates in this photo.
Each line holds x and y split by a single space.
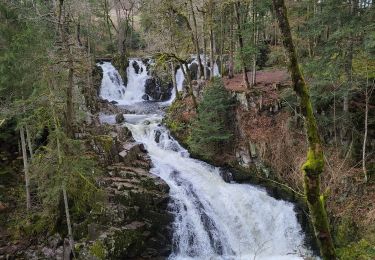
313 167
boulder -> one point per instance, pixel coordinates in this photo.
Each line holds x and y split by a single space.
156 90
136 67
194 71
3 207
120 118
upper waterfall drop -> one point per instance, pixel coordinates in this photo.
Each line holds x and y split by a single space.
135 89
113 89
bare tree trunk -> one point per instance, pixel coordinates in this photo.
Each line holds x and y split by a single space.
28 138
26 168
69 98
186 71
121 32
237 8
366 130
106 14
231 49
212 43
196 40
253 75
204 47
173 74
313 167
222 42
68 222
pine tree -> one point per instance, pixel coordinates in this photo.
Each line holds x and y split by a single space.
210 130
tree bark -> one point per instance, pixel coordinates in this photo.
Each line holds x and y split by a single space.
173 75
106 13
186 71
313 167
68 52
231 49
253 75
26 168
196 41
68 222
237 8
28 138
212 43
366 130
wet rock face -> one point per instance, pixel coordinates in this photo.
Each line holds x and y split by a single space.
156 90
120 118
194 71
136 67
137 223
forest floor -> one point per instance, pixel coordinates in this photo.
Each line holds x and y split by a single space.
263 78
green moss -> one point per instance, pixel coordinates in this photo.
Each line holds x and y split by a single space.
121 62
98 249
345 232
314 163
105 141
126 242
361 250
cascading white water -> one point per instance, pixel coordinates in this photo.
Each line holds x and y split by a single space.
180 75
215 219
135 88
113 88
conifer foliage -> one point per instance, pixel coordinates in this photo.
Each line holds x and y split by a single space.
211 129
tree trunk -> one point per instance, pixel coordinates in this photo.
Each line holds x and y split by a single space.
106 14
221 71
68 222
313 167
26 168
196 41
366 130
186 71
69 98
237 8
28 139
204 48
211 32
173 75
231 49
253 75
68 52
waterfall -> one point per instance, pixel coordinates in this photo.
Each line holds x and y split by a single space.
113 88
135 88
213 219
180 78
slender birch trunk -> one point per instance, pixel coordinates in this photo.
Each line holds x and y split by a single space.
173 75
26 168
28 139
